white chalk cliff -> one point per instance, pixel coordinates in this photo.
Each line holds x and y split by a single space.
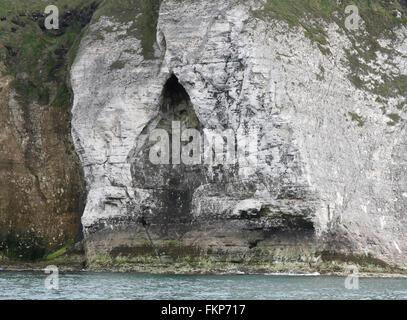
332 155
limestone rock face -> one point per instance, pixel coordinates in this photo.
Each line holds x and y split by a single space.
323 160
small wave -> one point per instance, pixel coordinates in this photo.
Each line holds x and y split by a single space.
232 272
313 274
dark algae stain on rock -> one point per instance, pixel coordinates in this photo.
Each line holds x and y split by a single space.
22 245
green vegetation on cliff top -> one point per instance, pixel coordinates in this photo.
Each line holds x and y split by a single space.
379 20
45 55
379 16
143 16
36 56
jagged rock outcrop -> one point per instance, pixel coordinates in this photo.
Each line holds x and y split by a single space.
322 112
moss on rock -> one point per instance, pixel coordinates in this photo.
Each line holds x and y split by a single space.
142 15
256 260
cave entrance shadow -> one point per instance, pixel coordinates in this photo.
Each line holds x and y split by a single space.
170 186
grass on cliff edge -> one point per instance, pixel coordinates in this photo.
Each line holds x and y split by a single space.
143 16
37 57
379 16
379 19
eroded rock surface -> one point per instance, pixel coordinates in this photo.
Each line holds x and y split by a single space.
41 186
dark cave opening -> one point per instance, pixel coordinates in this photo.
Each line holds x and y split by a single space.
174 93
171 185
176 105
